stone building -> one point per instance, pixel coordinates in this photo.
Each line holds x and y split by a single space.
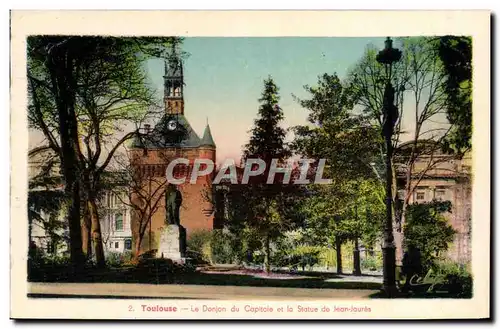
155 147
46 183
439 176
115 218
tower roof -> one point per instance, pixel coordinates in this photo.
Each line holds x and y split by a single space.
173 68
207 139
173 64
161 137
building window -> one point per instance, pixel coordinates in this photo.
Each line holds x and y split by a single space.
119 222
117 245
420 196
114 200
128 244
118 198
110 199
440 195
51 247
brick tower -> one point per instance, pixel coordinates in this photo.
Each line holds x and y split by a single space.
151 151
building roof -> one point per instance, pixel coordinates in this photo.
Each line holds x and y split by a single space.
207 139
173 68
424 146
161 137
173 64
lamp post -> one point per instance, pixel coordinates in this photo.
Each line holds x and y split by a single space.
387 57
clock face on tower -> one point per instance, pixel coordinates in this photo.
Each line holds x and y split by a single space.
171 133
172 125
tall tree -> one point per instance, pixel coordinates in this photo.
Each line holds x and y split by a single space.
94 85
417 79
336 131
44 207
343 136
113 94
428 229
455 53
363 215
268 205
322 210
352 210
52 75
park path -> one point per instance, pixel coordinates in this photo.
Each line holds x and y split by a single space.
175 291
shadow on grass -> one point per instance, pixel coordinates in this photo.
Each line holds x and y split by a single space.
131 275
326 275
249 280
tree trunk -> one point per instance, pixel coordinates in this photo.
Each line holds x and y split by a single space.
398 229
137 249
96 234
72 195
356 258
338 249
267 254
140 238
86 234
75 234
60 65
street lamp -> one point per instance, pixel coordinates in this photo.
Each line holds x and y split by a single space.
387 57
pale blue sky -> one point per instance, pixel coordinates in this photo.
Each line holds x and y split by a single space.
224 79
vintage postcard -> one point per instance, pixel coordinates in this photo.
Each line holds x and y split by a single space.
250 165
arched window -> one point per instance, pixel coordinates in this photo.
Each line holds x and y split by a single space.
128 244
119 222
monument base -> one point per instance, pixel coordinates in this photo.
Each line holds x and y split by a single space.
173 243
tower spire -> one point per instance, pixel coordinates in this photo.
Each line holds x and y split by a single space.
207 139
174 82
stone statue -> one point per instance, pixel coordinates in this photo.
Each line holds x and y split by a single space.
172 244
173 201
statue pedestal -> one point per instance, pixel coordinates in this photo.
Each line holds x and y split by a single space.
173 243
